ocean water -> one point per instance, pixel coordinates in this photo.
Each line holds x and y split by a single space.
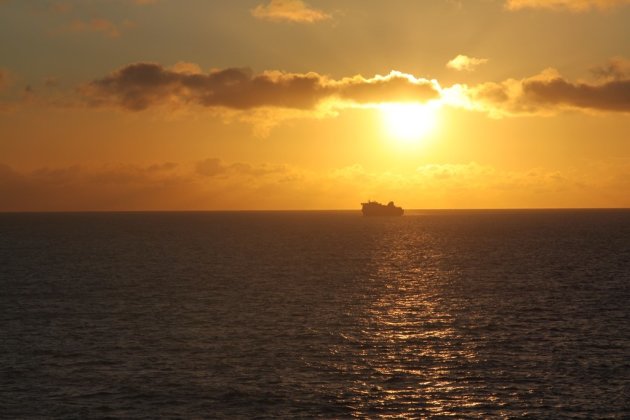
463 314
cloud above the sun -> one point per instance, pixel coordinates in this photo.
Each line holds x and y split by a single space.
289 11
277 95
140 86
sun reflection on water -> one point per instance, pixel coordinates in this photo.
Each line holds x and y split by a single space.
413 355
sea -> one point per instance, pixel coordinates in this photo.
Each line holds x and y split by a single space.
254 315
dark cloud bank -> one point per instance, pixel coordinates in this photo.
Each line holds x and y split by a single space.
609 96
143 85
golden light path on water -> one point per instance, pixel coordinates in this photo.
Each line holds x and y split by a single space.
413 356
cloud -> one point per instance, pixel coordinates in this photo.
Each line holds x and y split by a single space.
465 63
617 68
142 85
274 95
609 96
210 167
266 99
394 87
548 93
289 10
186 67
472 185
571 5
161 186
97 25
213 167
115 187
215 184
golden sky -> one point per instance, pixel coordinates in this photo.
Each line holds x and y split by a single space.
319 104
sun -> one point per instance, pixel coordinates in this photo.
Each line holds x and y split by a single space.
409 123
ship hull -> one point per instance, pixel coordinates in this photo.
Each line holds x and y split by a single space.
372 209
383 213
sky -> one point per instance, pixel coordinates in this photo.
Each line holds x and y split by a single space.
318 104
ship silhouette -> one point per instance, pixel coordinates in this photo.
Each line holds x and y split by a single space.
373 208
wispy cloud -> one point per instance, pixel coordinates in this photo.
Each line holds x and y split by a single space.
97 25
214 167
290 11
164 185
617 68
465 63
241 185
83 188
571 5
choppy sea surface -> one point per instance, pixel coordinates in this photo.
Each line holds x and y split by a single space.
468 314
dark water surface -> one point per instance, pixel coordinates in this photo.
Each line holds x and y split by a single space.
315 314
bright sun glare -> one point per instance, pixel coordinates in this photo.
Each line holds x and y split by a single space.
409 123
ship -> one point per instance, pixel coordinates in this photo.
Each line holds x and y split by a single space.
372 208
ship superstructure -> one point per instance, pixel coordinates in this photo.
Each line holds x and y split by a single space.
373 208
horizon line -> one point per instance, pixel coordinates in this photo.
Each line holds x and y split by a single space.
488 209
